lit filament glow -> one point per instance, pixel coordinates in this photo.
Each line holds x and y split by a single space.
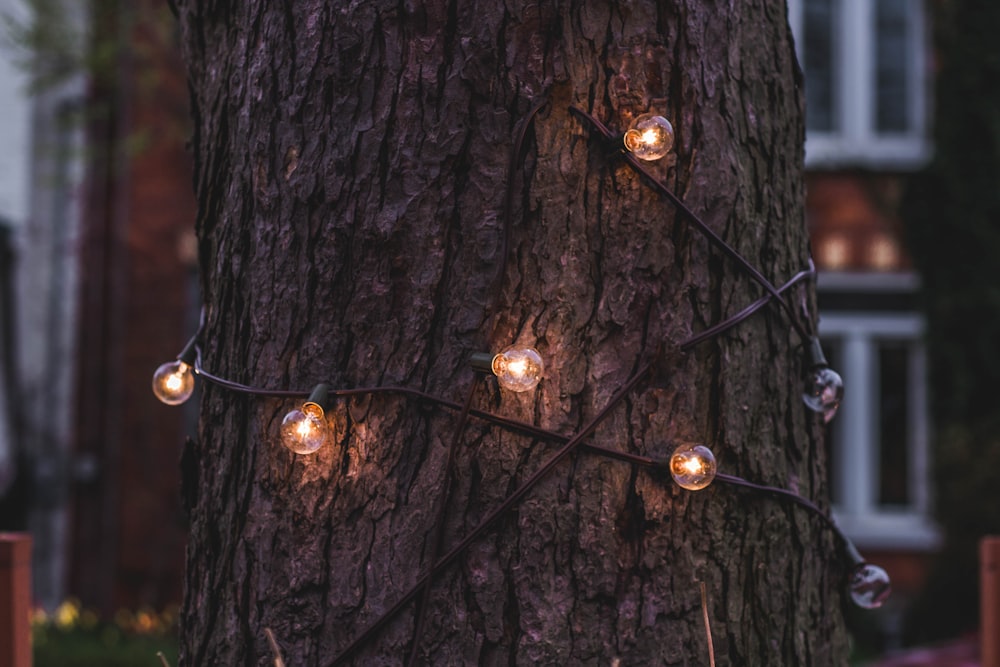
650 138
518 369
304 430
173 382
692 466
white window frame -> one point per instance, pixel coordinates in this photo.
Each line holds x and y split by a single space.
857 142
858 512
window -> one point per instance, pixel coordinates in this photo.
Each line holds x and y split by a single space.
878 444
865 64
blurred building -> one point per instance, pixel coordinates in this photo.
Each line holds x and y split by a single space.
102 269
868 72
39 277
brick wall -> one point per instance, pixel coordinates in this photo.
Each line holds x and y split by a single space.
128 526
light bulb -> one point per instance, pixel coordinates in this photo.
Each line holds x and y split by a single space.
650 137
304 430
868 586
173 382
692 466
823 389
518 368
823 392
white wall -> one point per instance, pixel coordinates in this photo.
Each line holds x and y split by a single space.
15 126
41 172
15 143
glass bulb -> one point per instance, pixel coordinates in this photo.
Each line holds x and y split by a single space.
869 586
173 382
305 430
692 466
518 368
823 392
650 137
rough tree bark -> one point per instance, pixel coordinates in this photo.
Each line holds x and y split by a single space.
351 163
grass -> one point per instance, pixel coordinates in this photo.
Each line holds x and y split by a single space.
76 637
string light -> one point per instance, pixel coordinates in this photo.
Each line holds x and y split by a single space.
692 466
650 137
517 368
823 387
869 586
483 362
304 430
173 382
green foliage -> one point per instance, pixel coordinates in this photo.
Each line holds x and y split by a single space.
47 41
75 637
55 41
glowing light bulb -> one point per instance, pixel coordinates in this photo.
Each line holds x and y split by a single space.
173 382
692 466
824 389
518 368
650 137
304 430
868 586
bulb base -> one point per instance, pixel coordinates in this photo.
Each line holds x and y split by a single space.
320 397
190 352
482 362
852 554
814 354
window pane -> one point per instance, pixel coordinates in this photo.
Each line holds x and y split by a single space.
893 61
894 419
820 18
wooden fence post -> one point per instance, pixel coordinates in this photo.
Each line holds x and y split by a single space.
989 600
15 599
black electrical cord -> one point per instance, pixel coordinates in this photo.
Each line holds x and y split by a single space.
698 223
569 444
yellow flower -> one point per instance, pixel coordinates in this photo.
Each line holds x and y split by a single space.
145 620
67 614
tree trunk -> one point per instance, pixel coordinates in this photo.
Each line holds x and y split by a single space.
351 166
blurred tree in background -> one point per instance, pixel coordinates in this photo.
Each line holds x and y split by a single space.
953 213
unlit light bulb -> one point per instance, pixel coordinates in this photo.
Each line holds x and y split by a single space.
824 389
304 430
518 368
173 382
823 392
692 466
650 137
869 586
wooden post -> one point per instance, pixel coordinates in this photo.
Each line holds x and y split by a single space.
989 600
15 599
